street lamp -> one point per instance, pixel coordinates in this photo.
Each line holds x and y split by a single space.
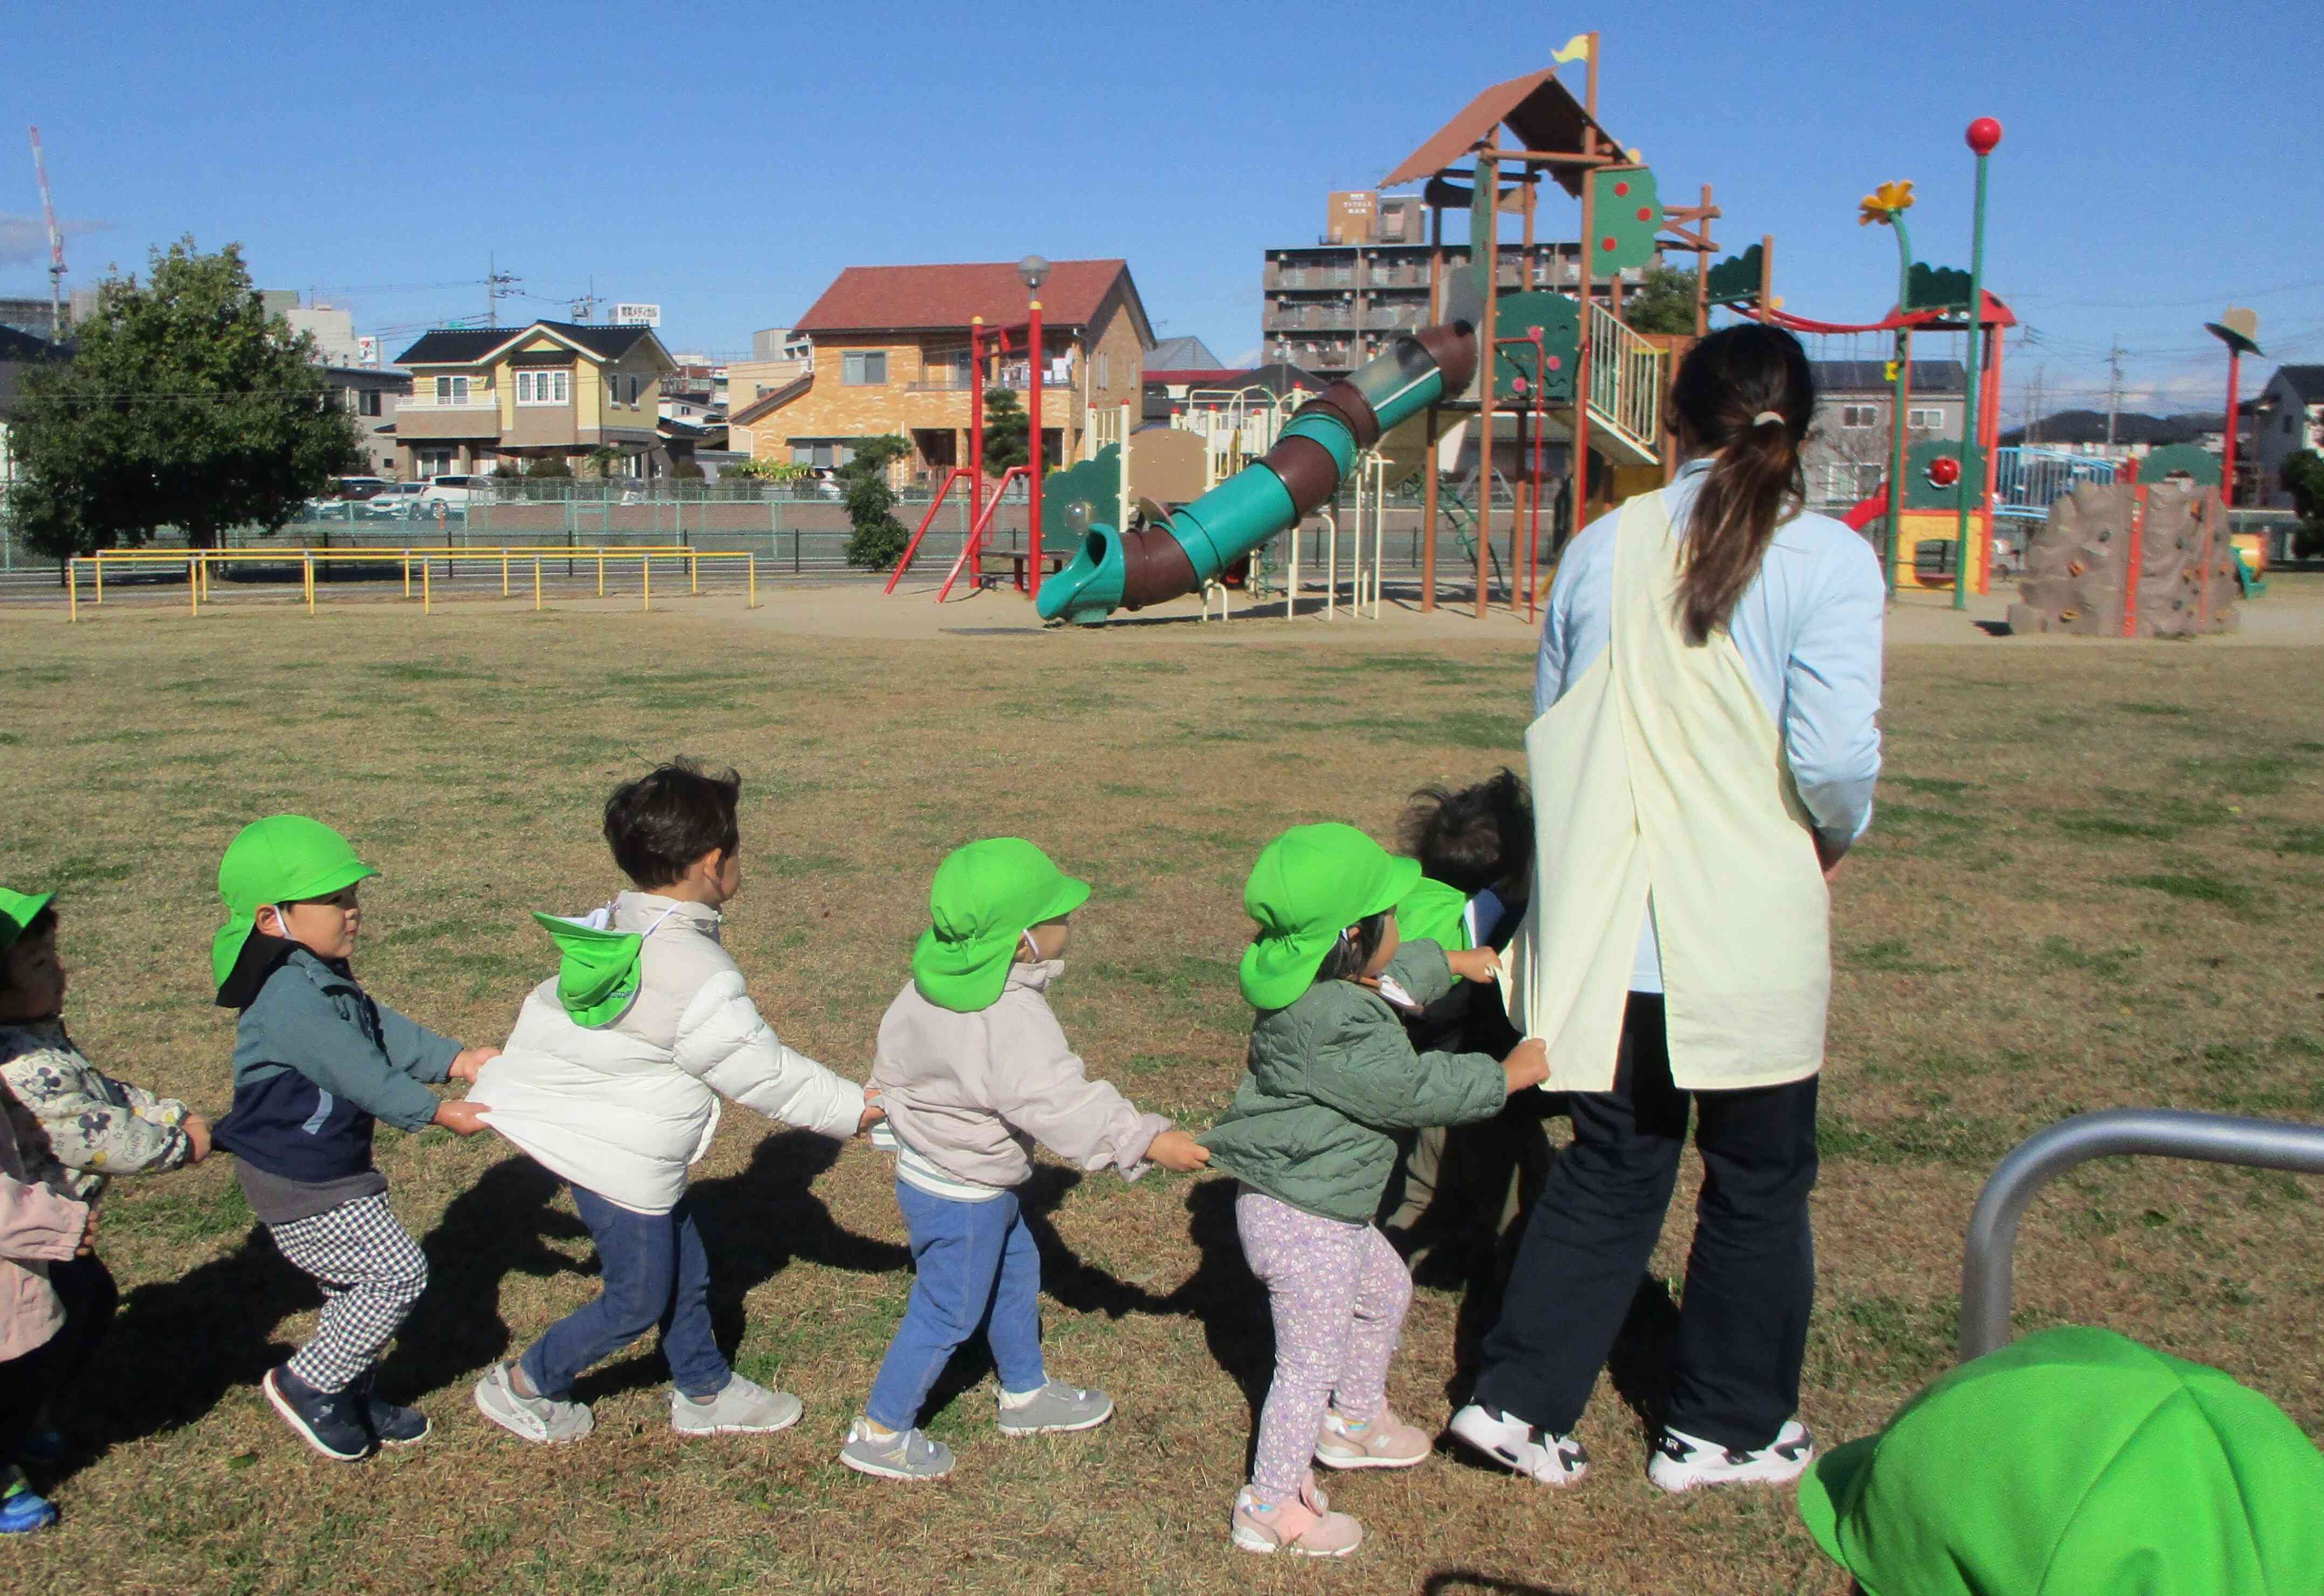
1033 271
1983 136
2238 329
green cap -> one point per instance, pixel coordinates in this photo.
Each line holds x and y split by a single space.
1436 911
281 859
1309 885
983 897
598 967
18 910
2075 1462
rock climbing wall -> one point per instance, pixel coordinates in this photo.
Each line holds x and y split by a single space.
2077 564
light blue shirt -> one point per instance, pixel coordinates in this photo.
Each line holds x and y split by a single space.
1809 630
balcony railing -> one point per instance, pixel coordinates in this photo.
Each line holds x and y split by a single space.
477 397
930 383
1625 383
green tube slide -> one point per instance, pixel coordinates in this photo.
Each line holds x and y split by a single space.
1114 570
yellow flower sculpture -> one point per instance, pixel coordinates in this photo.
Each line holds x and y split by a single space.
1884 202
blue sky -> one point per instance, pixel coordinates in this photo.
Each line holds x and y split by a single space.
727 160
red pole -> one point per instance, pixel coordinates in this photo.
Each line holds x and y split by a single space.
2227 470
976 414
1040 460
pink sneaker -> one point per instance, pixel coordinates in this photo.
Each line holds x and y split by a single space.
1381 1442
1304 1525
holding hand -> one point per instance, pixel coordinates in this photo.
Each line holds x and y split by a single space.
1528 1064
465 1119
88 1234
197 1131
1475 963
1178 1152
872 1114
467 1061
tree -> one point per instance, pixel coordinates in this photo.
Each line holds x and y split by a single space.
878 537
2303 475
1007 428
548 465
184 404
603 459
1662 302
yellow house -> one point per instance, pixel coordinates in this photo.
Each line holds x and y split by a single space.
890 355
496 398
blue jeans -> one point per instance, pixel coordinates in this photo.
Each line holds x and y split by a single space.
655 1274
976 1265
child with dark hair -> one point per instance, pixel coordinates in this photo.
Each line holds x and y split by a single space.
1330 1078
76 1127
613 1079
1470 1186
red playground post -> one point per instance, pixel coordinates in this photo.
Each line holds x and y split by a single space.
1040 462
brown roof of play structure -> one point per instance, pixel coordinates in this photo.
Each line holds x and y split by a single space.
863 299
1541 111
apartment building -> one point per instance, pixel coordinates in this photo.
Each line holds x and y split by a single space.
1847 455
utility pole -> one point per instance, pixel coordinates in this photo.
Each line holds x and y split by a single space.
496 289
2113 390
2033 407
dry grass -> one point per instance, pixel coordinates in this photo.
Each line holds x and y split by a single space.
2095 881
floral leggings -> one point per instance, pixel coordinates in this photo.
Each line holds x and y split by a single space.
1338 1293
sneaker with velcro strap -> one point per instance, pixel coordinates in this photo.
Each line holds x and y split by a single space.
1553 1460
23 1509
331 1422
1682 1462
390 1426
1055 1409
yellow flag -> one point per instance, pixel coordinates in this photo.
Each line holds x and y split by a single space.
1577 49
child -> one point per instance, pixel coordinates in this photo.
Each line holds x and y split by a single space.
316 1061
74 1128
1331 1076
41 1230
973 1068
612 1079
1470 1184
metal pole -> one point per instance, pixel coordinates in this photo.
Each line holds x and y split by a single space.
1969 400
2227 463
536 581
1489 175
1040 462
1900 395
2163 1133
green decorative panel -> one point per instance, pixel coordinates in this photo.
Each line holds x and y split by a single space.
1484 229
1936 288
1735 279
1921 493
2199 465
1626 213
1559 316
1094 482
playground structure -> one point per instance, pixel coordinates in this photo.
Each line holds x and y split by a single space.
2147 554
319 568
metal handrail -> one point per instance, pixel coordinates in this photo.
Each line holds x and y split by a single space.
1986 1260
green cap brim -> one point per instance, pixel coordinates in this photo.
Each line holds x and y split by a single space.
1828 1488
225 947
1276 970
18 910
967 976
597 971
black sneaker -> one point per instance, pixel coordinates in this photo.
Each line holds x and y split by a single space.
392 1426
331 1422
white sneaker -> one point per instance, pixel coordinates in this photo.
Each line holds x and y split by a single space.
1557 1461
1683 1462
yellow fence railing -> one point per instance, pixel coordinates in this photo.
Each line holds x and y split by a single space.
200 563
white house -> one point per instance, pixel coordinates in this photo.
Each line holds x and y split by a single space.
2291 418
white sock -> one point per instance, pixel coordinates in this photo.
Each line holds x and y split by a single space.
1010 1399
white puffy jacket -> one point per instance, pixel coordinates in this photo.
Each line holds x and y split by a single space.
625 1109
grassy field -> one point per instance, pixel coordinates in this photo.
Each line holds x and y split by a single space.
2095 879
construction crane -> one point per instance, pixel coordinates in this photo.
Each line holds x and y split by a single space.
56 245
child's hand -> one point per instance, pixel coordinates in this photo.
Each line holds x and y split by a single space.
197 1131
1176 1150
1528 1064
872 1114
465 1119
1475 963
88 1234
467 1061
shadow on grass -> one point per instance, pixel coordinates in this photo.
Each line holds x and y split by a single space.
1454 1581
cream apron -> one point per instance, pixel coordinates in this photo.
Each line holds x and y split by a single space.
1662 771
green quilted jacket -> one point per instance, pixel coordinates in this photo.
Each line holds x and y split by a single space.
1332 1077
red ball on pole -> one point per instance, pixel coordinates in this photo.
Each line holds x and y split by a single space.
1944 471
1983 134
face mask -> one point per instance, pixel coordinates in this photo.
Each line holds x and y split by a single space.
1032 948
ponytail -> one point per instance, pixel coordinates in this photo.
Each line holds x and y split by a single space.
1747 395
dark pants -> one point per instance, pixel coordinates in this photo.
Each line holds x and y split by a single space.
656 1273
85 1285
1749 1279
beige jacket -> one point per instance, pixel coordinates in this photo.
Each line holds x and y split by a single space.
971 1092
38 1227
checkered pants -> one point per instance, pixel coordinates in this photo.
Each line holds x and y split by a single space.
370 1271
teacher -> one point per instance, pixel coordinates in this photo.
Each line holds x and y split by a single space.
1705 753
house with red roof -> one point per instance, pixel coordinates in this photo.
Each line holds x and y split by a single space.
888 352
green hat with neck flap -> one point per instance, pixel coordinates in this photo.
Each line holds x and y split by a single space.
281 859
983 897
598 967
18 910
1311 884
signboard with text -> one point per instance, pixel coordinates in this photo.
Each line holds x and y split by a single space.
637 316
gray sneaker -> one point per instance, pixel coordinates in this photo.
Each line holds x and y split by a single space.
1058 1408
542 1420
744 1407
907 1454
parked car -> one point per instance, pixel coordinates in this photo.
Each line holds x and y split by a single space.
358 487
454 493
394 498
